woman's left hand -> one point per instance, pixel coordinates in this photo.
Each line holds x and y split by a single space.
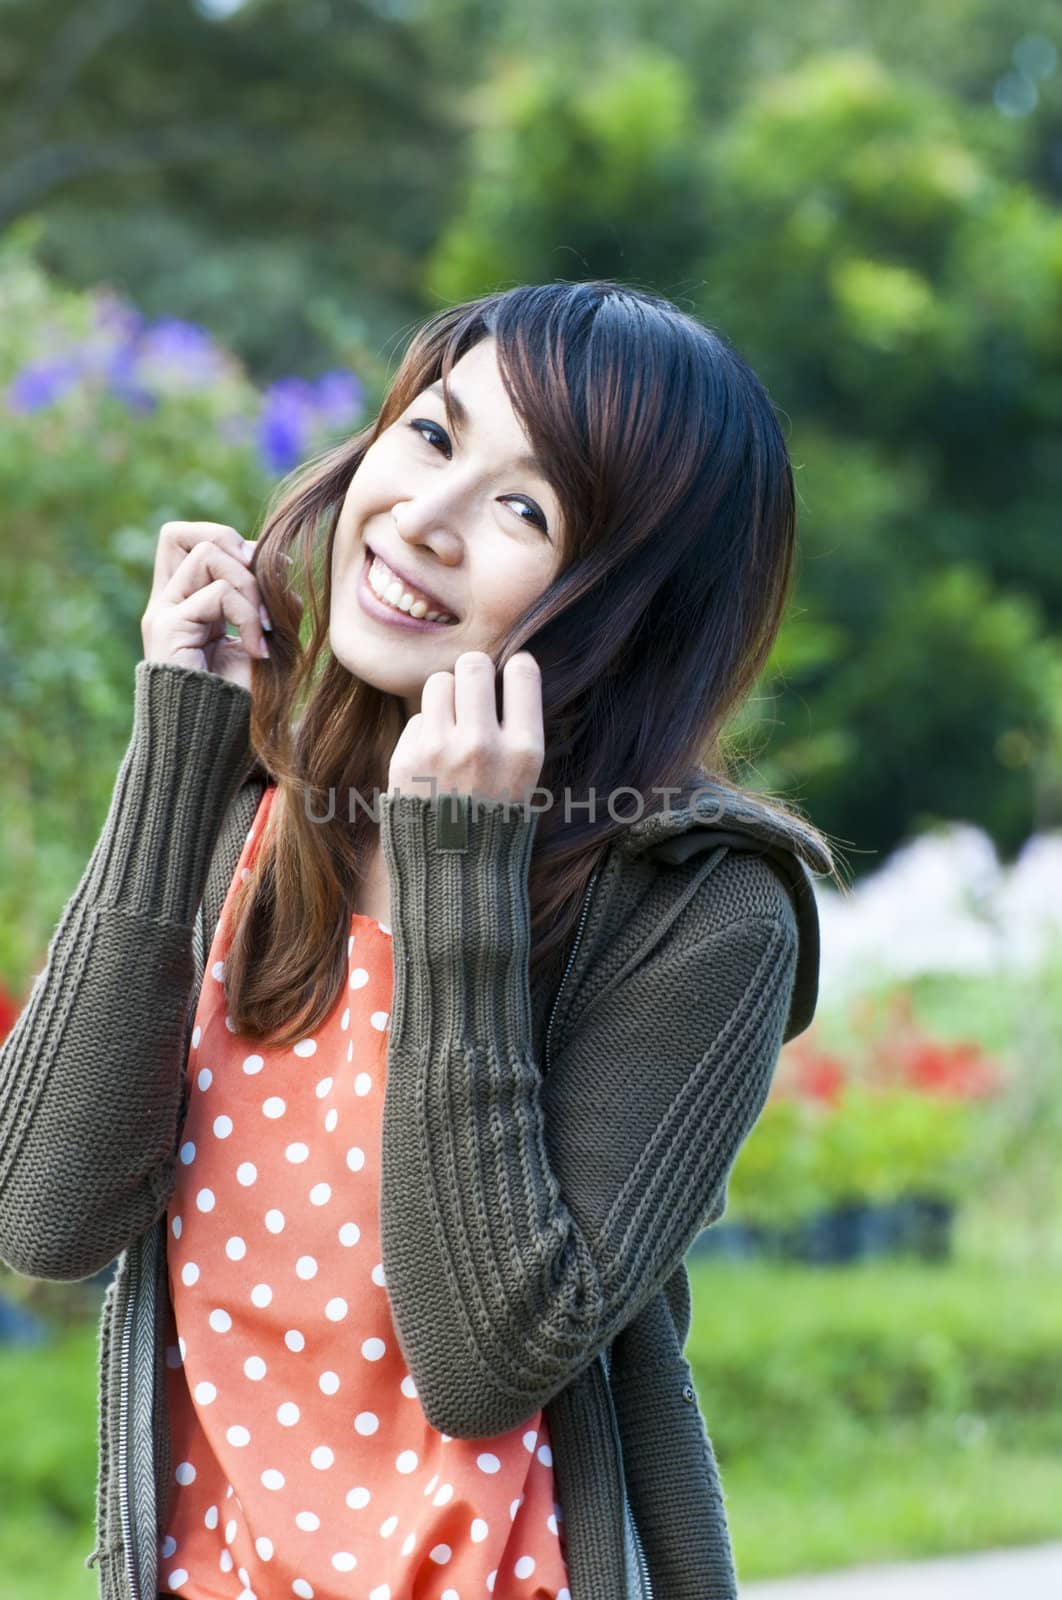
456 739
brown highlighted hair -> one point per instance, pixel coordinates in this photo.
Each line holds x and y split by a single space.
669 462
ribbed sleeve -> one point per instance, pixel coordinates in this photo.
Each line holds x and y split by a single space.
90 1075
525 1220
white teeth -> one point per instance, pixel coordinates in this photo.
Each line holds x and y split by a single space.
391 590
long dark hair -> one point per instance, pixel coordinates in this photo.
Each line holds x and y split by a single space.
670 465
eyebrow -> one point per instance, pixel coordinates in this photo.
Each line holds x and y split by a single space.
528 462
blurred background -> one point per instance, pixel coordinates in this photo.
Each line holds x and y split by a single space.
219 225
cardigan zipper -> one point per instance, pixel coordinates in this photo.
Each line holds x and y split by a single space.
633 1540
123 1428
571 958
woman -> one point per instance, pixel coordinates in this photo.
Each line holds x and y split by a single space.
401 1118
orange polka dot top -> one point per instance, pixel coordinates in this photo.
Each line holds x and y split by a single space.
303 1464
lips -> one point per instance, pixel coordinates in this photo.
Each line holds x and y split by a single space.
417 589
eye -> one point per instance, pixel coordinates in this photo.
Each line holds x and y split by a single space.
537 517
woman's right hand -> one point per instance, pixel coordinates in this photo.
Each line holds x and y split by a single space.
202 583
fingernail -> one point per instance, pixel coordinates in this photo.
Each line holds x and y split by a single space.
264 614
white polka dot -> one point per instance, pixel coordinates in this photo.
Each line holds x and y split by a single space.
359 978
388 1526
331 1118
320 1194
245 872
545 1455
358 1498
551 1523
379 1020
350 944
273 1107
449 1594
246 1173
264 1547
343 1561
406 1462
308 1521
272 1478
431 1483
211 1518
443 1494
408 1387
297 1152
407 1546
197 1034
238 1436
306 1047
479 1530
230 1025
349 1233
205 1393
377 1275
373 1349
176 1578
189 1273
288 1414
362 1083
336 1309
328 1382
188 1153
350 1051
440 1554
486 1462
381 1592
261 1294
204 1078
323 1088
305 1590
205 1200
344 1021
322 1457
383 927
225 1561
306 1267
220 1320
253 1064
529 1438
294 1339
167 1547
366 1422
235 1248
222 1127
255 1368
274 1220
185 1473
355 1158
218 970
524 1567
177 1225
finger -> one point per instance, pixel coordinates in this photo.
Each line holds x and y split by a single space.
475 706
206 560
179 539
437 702
522 688
202 605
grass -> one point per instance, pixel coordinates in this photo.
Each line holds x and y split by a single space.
880 1412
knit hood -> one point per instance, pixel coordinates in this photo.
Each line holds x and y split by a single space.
720 816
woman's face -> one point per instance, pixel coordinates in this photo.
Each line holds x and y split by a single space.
468 519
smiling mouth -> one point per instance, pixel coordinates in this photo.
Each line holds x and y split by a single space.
389 591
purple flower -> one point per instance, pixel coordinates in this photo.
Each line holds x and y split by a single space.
288 414
340 397
178 355
42 383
